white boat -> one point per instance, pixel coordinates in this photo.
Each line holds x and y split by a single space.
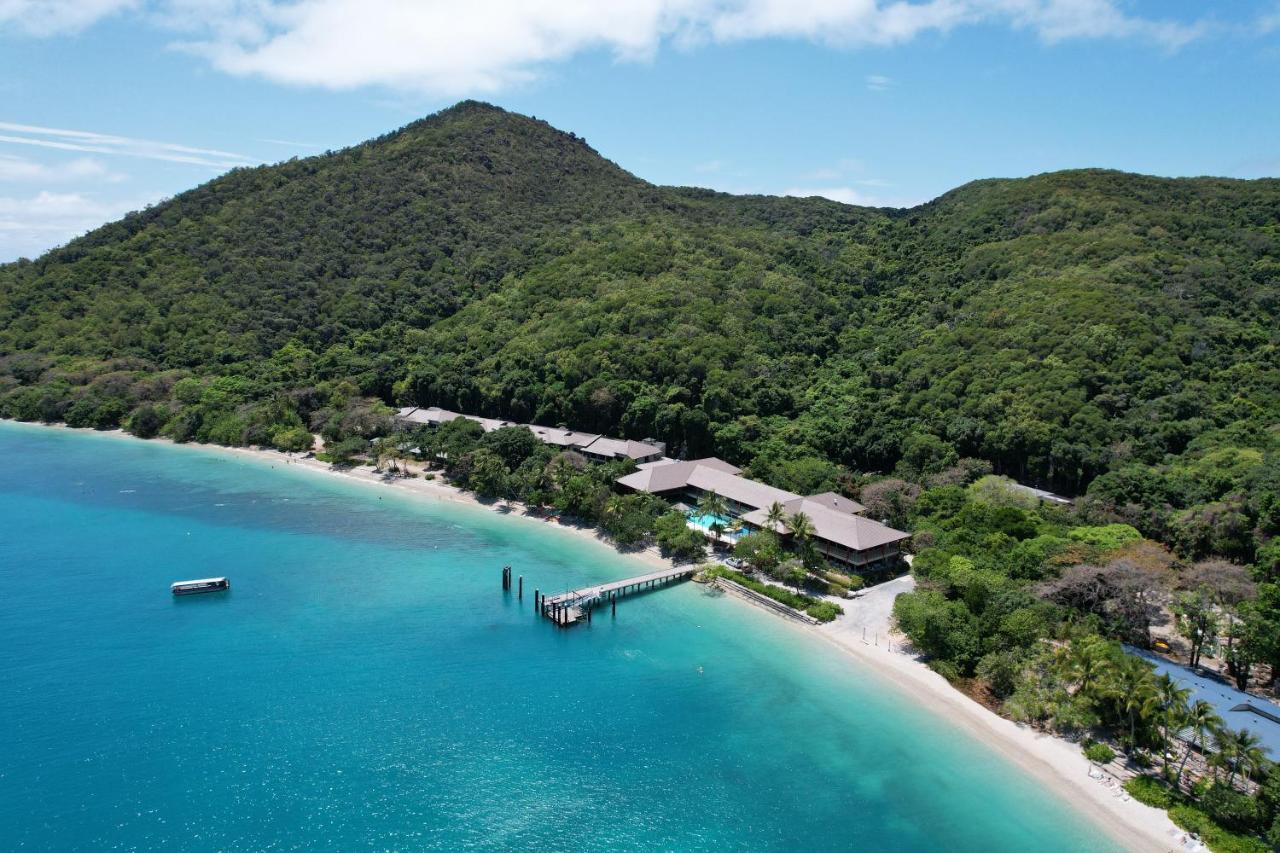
198 586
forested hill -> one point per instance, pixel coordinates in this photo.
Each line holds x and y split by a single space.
1062 327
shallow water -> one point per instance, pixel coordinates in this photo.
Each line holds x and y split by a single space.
366 683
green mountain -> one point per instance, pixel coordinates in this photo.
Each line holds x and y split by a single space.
1075 328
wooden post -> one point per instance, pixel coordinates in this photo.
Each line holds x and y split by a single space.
588 614
614 599
520 590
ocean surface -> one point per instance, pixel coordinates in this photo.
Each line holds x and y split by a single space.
367 685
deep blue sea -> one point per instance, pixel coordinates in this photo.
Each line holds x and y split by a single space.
367 685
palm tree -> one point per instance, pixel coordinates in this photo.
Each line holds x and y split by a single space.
801 528
612 508
1173 706
389 451
1241 751
711 504
775 516
1203 720
1135 691
1084 662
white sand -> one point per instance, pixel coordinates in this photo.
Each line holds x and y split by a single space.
1057 764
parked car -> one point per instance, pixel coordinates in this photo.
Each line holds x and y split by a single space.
733 562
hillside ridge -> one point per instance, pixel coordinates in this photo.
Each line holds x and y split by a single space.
1069 328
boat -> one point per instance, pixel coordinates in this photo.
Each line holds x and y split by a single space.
198 586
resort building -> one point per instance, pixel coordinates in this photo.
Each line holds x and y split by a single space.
1238 710
596 447
434 416
840 534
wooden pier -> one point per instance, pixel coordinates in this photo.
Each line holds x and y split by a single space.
569 608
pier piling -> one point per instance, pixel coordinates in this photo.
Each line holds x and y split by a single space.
520 589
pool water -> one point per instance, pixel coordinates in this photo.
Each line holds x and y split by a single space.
705 521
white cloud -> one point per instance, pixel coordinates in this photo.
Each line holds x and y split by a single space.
450 48
30 226
20 169
101 143
844 195
51 17
878 82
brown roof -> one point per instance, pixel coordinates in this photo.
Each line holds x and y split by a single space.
838 502
710 475
834 525
563 437
618 448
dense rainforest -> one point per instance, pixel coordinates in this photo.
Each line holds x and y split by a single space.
1106 335
1087 331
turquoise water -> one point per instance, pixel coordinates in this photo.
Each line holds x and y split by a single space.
366 684
706 520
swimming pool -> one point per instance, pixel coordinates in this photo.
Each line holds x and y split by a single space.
703 521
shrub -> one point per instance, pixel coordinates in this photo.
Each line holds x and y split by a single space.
824 611
147 420
1151 791
293 440
1218 839
1099 753
1108 537
343 453
1232 809
677 540
836 579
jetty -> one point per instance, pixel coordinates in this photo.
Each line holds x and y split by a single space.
569 608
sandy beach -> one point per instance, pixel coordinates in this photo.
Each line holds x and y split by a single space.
1057 764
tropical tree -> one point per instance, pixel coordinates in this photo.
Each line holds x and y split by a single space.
1202 720
775 516
711 504
1083 662
800 526
1239 752
613 509
1197 620
1172 700
389 451
1130 684
759 550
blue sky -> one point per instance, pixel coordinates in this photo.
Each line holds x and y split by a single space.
108 105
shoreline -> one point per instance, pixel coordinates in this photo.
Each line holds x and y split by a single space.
1058 765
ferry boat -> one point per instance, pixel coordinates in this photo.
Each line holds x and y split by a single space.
198 586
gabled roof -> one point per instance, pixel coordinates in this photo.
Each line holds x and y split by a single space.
834 525
734 487
710 475
838 502
618 448
563 437
430 415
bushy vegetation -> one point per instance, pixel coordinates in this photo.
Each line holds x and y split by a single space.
1082 330
823 611
1213 818
1032 604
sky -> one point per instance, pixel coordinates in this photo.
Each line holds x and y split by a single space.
107 106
